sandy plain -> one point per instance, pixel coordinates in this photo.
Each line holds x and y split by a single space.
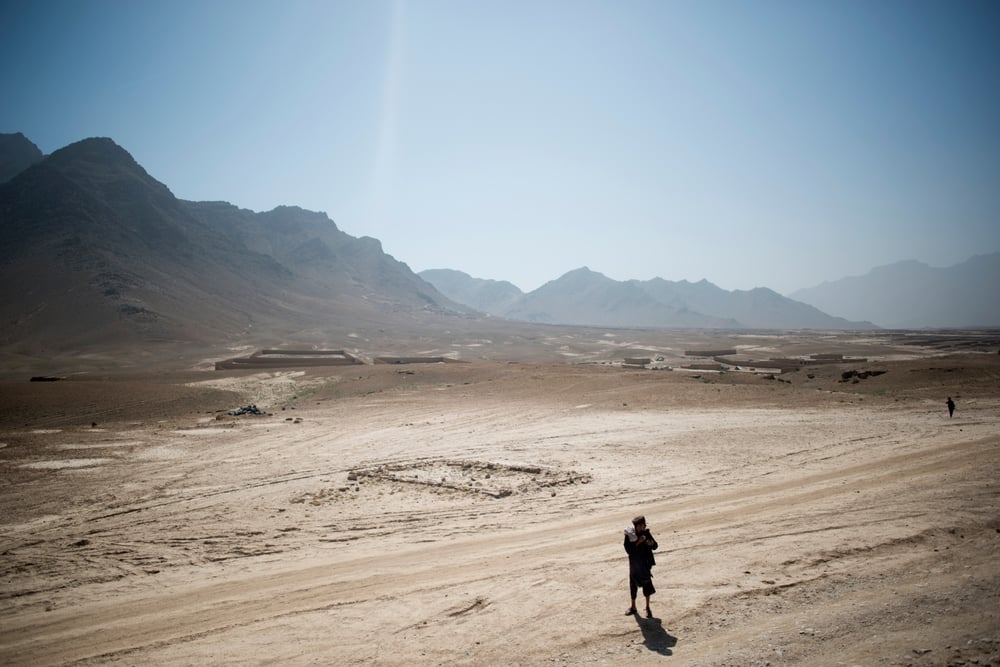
472 514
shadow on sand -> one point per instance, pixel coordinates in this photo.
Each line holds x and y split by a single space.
654 636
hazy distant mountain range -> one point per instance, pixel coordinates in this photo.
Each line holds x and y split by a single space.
99 254
911 295
585 297
907 295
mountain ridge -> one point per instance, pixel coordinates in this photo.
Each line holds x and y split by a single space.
586 297
101 254
17 153
913 295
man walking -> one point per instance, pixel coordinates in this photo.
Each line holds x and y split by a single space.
951 406
639 545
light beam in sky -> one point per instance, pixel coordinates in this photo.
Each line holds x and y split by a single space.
750 144
383 174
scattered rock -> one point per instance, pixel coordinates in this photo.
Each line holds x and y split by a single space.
246 410
855 375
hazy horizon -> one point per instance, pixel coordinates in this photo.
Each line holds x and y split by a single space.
751 144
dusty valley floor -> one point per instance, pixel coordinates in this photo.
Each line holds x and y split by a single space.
472 514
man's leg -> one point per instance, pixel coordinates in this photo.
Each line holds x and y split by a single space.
633 590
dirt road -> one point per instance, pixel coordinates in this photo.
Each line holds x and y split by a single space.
474 515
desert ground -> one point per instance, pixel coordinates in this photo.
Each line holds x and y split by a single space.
473 513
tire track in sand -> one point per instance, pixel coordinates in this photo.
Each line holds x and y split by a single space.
104 629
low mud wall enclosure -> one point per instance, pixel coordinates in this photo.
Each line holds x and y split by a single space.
288 359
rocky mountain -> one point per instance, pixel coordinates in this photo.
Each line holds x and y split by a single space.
17 153
98 253
913 295
487 296
585 297
759 308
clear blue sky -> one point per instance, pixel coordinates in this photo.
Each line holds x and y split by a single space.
752 143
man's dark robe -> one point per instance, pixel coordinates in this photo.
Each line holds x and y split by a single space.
641 562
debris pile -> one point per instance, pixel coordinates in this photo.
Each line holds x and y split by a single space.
855 376
246 410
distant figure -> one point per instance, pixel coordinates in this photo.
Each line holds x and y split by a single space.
639 545
951 406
